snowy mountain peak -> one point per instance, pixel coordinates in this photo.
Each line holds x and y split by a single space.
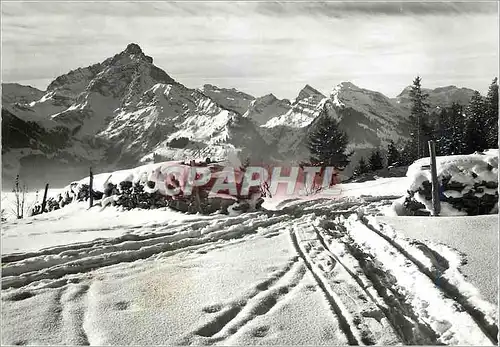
133 52
301 112
348 85
133 48
212 88
307 92
267 99
121 69
346 88
263 108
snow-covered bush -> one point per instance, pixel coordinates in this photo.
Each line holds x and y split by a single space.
147 187
84 193
52 204
133 196
468 185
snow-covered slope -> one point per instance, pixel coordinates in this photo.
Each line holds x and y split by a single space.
368 116
82 276
230 99
266 107
304 109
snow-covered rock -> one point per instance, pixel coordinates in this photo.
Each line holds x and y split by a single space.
468 185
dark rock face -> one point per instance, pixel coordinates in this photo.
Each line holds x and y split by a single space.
133 48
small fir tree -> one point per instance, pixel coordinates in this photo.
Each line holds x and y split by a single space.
328 144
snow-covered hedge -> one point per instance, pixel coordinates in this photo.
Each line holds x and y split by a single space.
145 187
468 185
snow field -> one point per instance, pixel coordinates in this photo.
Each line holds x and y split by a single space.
308 271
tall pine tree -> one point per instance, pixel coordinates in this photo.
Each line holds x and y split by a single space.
419 131
492 114
376 161
393 155
361 168
450 133
475 127
328 144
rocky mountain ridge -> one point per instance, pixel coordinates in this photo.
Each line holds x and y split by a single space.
126 111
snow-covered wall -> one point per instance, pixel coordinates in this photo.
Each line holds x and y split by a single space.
468 185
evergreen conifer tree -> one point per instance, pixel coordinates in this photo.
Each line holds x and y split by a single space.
451 128
393 155
328 144
418 117
475 127
376 161
492 114
361 168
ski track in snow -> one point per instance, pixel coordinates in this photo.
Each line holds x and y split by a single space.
380 290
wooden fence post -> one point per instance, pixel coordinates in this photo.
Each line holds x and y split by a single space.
91 192
436 203
44 201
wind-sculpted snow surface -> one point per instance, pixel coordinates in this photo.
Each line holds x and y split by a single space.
308 272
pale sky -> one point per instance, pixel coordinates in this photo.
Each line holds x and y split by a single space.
258 47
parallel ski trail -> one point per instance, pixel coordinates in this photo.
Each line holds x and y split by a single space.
51 267
435 275
345 290
409 286
344 323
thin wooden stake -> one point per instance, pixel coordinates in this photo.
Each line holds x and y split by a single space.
436 203
44 201
91 192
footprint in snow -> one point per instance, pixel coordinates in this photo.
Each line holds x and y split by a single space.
212 308
261 331
122 305
310 288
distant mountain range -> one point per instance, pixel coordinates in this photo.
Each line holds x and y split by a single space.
126 111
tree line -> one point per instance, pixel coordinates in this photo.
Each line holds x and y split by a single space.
456 129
